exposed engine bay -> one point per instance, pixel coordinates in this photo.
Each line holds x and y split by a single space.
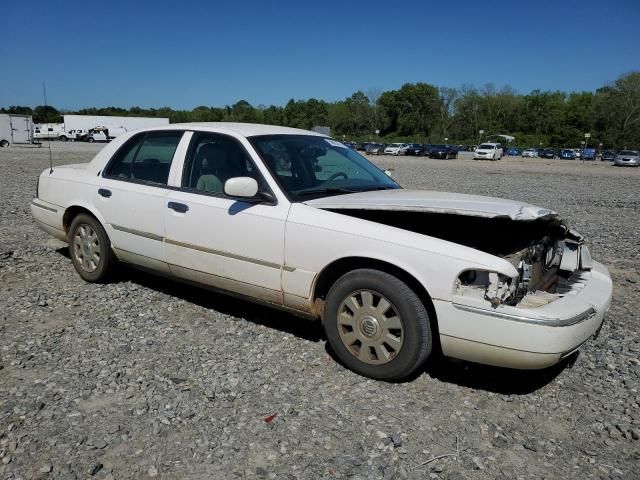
551 259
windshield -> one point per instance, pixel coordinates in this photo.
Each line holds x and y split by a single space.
486 147
309 166
632 153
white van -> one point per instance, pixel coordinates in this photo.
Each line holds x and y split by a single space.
488 151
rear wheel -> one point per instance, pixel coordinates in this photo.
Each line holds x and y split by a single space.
4 143
90 249
63 138
376 325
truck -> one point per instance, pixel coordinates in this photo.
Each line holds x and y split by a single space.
73 135
104 133
15 129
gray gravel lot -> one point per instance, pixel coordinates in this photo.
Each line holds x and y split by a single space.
146 378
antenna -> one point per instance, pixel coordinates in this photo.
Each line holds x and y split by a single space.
44 92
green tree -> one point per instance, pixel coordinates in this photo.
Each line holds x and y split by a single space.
46 114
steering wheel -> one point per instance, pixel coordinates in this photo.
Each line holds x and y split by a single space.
336 175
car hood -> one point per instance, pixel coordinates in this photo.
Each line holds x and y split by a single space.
434 202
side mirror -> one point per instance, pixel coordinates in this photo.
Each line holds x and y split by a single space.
242 187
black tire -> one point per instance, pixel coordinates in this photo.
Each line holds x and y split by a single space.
63 138
107 260
417 339
4 143
90 140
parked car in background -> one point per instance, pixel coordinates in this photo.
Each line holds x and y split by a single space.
415 149
350 145
549 153
375 149
577 152
405 147
393 148
513 152
488 151
588 154
444 152
627 158
567 154
295 220
530 153
608 156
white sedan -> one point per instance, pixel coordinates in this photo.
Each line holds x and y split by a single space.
394 148
296 220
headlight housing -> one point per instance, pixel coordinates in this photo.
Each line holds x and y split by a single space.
494 287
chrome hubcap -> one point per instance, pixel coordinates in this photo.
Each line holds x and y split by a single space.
86 248
370 327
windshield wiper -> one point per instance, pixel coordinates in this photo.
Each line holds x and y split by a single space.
377 187
315 191
330 190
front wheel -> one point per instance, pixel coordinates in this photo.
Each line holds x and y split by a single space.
90 249
376 325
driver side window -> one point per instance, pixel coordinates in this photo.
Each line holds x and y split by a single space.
214 159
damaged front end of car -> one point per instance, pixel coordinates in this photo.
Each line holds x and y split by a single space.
548 269
551 259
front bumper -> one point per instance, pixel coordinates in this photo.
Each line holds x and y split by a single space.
525 338
627 163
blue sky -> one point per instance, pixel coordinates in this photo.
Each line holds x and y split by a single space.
189 53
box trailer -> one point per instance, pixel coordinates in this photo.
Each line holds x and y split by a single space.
15 129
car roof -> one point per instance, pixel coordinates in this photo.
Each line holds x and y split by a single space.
244 129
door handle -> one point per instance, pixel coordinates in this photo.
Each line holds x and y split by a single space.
104 192
178 207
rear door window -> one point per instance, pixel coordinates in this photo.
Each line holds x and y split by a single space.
145 158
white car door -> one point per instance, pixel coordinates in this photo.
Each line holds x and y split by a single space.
221 241
131 196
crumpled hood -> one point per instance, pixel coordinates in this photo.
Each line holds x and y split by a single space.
434 202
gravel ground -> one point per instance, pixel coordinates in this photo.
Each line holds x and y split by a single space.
148 378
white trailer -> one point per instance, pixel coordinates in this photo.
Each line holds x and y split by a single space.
48 131
15 129
115 124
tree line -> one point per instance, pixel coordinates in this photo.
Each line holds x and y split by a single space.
424 113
